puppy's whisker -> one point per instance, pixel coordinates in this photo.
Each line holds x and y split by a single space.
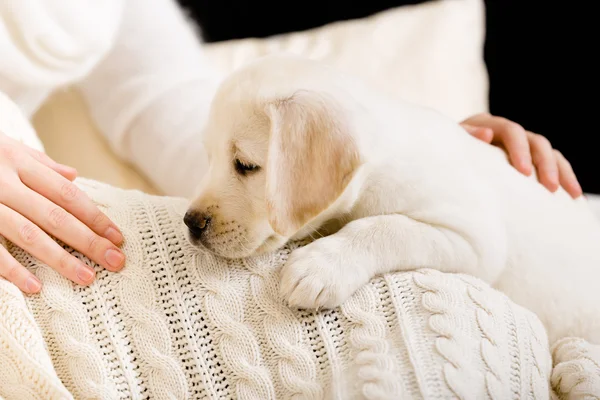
314 231
243 244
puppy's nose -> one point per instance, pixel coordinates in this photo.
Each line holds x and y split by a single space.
196 222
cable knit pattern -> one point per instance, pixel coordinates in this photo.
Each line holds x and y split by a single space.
375 365
473 357
224 304
447 312
491 341
181 324
22 352
149 331
542 364
66 321
283 332
576 374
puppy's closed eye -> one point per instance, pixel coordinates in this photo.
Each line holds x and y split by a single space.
244 168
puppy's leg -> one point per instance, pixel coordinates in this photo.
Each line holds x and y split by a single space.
329 270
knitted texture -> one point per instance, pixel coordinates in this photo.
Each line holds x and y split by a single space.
576 373
177 323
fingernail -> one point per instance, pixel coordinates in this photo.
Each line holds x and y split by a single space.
577 188
114 258
114 236
68 170
526 167
85 274
33 284
488 132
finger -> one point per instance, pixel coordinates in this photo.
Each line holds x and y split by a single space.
68 196
32 239
514 139
476 120
511 136
64 226
482 133
69 173
567 177
14 272
545 161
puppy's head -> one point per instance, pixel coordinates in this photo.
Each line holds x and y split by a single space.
280 153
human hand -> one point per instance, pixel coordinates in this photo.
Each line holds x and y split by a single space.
38 199
525 150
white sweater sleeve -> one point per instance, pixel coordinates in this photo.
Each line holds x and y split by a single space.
151 94
45 44
15 125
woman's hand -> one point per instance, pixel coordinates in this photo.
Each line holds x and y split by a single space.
38 199
526 150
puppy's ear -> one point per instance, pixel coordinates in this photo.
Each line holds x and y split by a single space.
311 159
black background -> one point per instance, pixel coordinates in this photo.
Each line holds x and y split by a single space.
540 57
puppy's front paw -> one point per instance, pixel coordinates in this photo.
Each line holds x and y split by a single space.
320 275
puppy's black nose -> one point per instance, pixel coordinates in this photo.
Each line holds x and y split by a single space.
196 222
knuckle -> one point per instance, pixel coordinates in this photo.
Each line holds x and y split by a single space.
36 155
64 261
560 157
542 141
57 217
29 233
12 272
41 157
513 127
7 180
94 243
7 186
98 219
9 153
69 191
558 154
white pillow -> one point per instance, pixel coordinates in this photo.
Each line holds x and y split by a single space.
430 53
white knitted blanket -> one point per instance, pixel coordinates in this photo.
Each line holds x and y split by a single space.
179 324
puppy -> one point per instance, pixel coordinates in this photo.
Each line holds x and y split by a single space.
296 150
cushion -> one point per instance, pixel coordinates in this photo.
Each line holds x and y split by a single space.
429 53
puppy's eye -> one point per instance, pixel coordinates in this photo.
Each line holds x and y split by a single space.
244 168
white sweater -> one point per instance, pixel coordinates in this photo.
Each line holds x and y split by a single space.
46 44
178 324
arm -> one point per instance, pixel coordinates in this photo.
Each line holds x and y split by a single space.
151 94
49 45
329 270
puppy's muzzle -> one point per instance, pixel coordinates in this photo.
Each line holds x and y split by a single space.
197 223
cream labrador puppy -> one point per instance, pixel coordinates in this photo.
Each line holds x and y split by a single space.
296 150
